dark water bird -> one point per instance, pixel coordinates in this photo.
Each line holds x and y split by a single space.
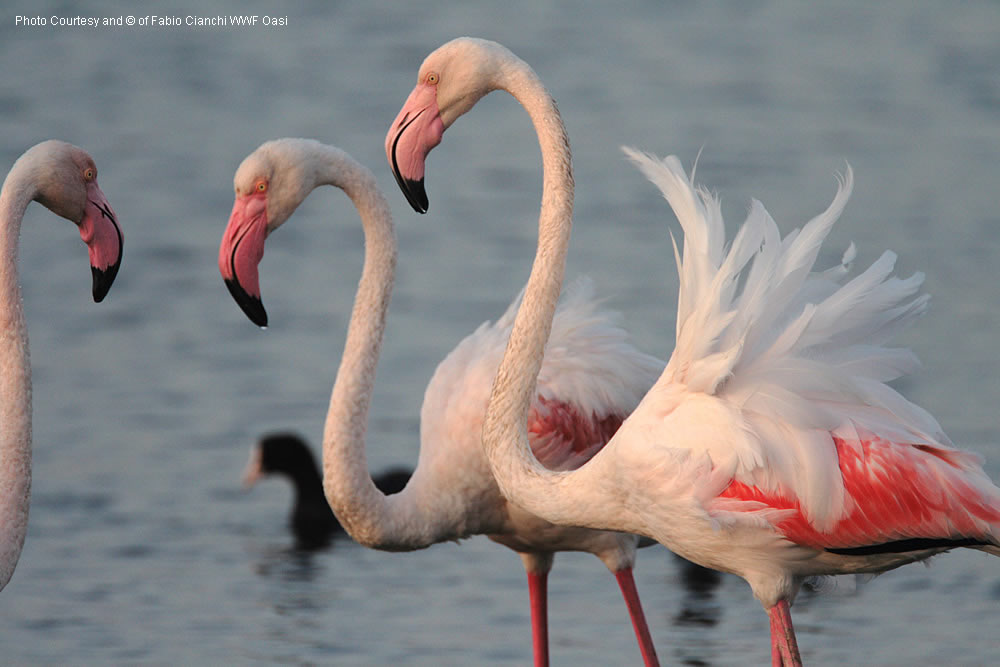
312 521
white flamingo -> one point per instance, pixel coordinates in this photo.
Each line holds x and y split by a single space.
63 178
589 381
771 446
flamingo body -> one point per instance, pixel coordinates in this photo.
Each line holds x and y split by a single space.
450 81
771 446
812 446
455 403
589 379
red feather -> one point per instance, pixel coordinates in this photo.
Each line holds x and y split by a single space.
893 492
564 439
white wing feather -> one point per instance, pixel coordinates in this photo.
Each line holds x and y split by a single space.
590 363
800 354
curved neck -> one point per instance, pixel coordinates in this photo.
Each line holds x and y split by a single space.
349 489
411 519
505 437
15 380
423 513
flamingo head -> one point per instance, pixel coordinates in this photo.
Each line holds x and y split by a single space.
269 184
65 177
450 82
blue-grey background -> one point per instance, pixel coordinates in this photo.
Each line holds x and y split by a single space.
143 548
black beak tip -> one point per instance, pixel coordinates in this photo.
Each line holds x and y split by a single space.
414 192
251 305
103 279
416 195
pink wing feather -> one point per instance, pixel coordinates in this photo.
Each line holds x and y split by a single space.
592 376
893 492
797 353
563 438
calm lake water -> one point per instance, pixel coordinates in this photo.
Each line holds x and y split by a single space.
143 548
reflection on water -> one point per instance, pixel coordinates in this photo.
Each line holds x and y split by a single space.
699 614
290 564
698 604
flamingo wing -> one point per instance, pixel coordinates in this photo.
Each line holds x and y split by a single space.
899 497
591 378
563 438
795 364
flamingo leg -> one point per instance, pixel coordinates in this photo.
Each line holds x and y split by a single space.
627 584
784 647
538 595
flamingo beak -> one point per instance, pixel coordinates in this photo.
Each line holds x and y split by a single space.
100 231
417 129
240 252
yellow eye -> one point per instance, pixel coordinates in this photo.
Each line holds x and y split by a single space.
261 186
89 174
432 78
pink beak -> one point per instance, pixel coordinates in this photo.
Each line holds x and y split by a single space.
417 129
100 231
240 252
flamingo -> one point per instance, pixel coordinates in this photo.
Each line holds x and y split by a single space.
312 521
63 178
771 446
591 378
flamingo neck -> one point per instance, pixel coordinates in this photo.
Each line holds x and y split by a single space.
421 514
520 477
15 380
347 484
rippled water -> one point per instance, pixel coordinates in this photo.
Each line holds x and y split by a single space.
143 548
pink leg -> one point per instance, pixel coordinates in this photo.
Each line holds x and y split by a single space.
784 647
627 583
538 594
776 632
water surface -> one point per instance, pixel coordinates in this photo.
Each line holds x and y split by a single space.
143 549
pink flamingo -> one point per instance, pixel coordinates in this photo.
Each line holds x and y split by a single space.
63 178
771 446
591 377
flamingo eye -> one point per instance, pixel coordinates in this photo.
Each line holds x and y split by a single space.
432 78
89 174
261 186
